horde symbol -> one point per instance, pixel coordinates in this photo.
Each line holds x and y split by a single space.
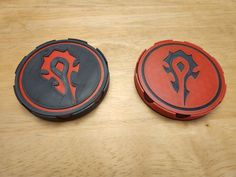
182 67
60 68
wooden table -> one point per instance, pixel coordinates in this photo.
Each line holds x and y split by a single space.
122 137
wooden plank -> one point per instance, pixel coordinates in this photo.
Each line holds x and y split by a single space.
122 137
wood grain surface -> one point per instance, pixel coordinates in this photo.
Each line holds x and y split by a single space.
122 137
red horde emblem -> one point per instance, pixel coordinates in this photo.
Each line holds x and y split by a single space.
58 68
179 80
